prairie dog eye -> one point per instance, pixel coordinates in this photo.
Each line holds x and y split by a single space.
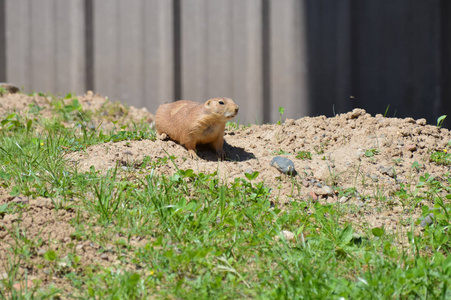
221 102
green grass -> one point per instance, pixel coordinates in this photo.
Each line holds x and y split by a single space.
441 157
203 238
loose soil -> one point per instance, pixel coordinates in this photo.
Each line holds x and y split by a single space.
373 154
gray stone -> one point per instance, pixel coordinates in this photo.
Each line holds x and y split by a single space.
328 190
284 165
388 171
428 220
375 178
248 171
343 199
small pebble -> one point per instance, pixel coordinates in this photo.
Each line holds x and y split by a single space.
411 147
62 264
249 171
288 235
421 122
328 190
284 165
388 171
428 220
305 182
289 122
21 200
343 199
375 178
356 112
23 285
313 196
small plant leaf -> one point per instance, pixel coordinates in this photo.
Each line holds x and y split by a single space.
378 231
3 208
50 255
4 175
346 235
440 120
251 176
133 279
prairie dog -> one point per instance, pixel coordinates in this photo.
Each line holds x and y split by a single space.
191 123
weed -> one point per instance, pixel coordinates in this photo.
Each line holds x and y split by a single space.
371 152
280 152
386 110
304 155
281 112
441 157
440 120
319 149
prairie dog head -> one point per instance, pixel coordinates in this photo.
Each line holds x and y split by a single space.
222 106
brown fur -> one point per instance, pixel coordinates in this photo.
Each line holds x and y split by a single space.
190 123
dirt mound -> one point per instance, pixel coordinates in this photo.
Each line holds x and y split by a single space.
354 159
366 159
93 109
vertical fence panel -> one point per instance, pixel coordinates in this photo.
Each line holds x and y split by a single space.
397 61
289 73
42 52
246 73
159 55
132 51
106 51
195 44
130 44
445 20
2 41
70 41
328 27
45 45
221 53
18 43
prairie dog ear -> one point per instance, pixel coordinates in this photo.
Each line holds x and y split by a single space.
207 104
